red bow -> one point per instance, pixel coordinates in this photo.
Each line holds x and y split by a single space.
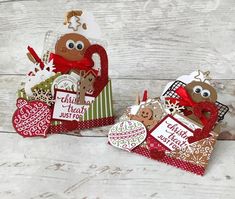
64 66
185 100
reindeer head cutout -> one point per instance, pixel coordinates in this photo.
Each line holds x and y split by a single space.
201 91
87 82
86 85
72 46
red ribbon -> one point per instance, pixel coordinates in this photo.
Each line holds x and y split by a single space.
145 96
36 57
64 66
186 100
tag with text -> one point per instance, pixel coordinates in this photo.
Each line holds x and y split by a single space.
171 133
66 108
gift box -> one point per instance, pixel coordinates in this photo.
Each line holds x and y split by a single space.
69 85
178 128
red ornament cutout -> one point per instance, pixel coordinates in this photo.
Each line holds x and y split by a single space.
31 118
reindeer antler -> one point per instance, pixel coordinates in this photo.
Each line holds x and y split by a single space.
72 13
205 76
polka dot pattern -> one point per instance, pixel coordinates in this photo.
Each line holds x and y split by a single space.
67 126
187 166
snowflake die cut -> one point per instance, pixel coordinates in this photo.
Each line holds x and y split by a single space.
172 108
44 96
38 75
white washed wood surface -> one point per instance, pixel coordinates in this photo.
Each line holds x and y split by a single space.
149 43
146 38
69 167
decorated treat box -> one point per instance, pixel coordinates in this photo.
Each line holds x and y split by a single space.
178 128
68 88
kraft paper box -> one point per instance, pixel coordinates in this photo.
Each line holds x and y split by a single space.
68 88
178 128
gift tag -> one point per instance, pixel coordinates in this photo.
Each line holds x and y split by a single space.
171 133
67 108
127 134
31 118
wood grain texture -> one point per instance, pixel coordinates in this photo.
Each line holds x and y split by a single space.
124 93
66 167
149 43
146 39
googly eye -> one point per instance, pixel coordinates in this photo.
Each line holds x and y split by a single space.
206 93
79 45
70 44
197 89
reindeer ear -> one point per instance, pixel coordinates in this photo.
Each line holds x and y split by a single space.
84 26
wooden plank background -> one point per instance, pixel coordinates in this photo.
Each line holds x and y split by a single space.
68 169
150 42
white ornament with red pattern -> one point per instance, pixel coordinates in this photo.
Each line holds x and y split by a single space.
127 135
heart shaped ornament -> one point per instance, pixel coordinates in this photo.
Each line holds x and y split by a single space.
127 135
31 118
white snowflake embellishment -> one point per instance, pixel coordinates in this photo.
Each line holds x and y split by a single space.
38 75
172 108
44 96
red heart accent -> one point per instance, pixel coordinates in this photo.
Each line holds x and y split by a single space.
102 80
31 118
197 135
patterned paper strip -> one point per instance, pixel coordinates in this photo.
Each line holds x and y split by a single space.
66 126
102 106
187 166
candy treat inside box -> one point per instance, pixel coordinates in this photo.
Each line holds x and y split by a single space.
178 128
68 87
